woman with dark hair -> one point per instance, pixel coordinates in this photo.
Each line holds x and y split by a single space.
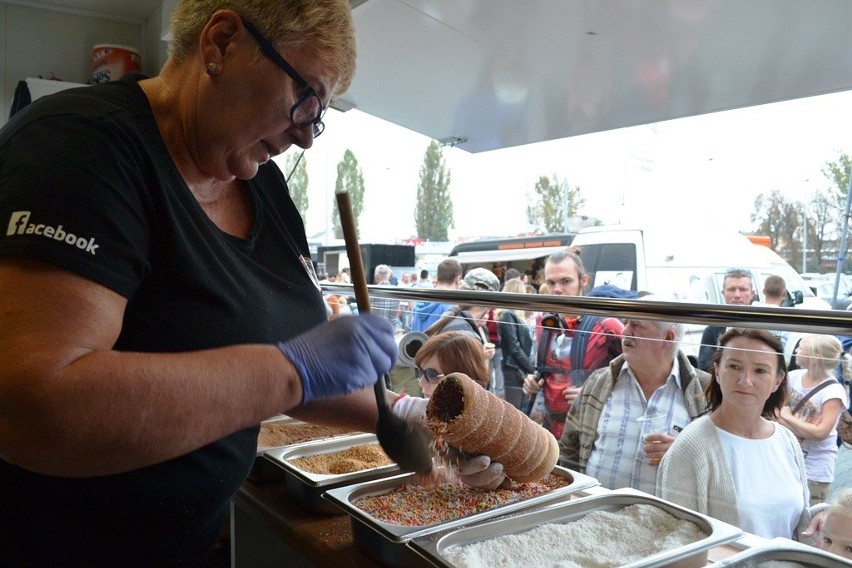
735 463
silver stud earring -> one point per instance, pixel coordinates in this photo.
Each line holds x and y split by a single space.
212 68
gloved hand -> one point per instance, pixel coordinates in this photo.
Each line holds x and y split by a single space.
481 472
342 356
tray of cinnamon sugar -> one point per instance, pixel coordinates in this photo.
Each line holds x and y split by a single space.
310 468
282 430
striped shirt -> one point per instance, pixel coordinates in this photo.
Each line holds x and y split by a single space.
618 459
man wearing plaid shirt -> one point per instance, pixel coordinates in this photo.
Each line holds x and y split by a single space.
628 413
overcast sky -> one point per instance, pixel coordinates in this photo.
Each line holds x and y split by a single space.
704 170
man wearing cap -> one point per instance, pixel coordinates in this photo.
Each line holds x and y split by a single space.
470 318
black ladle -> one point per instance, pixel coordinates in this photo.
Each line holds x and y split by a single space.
401 441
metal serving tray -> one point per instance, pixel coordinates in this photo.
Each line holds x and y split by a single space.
784 550
308 487
387 543
432 547
280 419
283 419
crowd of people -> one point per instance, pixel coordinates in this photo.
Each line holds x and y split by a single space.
737 434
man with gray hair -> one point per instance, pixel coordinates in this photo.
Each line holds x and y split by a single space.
737 290
630 411
387 308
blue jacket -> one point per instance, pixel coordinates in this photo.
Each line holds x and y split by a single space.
427 313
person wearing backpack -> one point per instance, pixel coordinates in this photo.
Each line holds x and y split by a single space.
570 348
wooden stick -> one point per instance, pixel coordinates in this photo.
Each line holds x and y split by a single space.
353 251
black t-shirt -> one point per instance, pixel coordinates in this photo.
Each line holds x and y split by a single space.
86 184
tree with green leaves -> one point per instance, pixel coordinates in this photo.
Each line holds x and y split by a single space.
351 180
838 172
295 168
433 214
821 225
554 203
784 221
779 219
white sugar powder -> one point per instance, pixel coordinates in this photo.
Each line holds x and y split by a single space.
600 539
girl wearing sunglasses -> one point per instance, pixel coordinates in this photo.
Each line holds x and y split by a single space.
441 354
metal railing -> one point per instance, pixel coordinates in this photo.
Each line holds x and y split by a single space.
764 317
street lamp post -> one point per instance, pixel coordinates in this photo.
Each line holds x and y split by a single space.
841 252
805 238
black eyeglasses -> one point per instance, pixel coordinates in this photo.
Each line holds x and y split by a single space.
431 375
308 109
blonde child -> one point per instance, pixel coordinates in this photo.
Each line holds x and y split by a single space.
837 526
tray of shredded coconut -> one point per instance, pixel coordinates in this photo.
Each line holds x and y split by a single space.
783 553
618 528
311 468
387 513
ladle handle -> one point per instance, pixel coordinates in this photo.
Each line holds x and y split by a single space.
359 278
353 251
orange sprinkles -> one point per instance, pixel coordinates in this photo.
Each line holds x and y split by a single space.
415 505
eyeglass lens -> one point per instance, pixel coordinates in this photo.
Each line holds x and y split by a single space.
430 375
308 108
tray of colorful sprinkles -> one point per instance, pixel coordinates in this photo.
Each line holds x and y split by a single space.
387 513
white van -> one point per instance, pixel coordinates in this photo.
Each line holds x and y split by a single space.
526 254
682 265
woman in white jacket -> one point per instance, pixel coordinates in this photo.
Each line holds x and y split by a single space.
735 463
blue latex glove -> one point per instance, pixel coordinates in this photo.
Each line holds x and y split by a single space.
342 356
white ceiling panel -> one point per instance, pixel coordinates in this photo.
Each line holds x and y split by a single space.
502 73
